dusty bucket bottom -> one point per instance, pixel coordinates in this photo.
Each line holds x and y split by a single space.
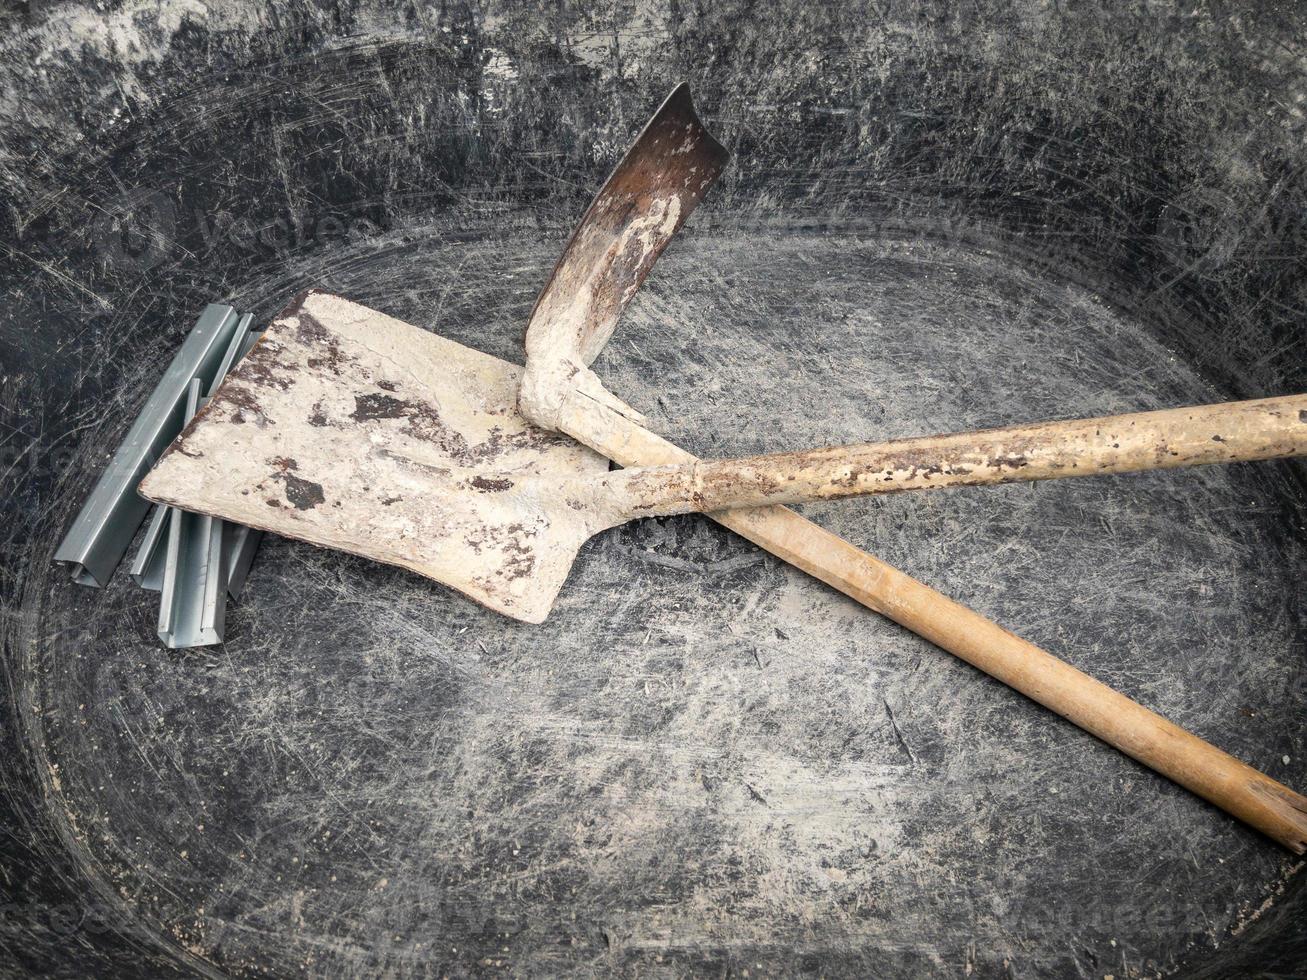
704 758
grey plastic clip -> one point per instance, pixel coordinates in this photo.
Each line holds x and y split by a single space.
239 541
148 565
193 604
104 527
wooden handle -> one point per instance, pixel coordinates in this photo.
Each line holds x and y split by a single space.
1267 428
1218 777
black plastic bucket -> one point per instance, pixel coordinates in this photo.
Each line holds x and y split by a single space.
704 763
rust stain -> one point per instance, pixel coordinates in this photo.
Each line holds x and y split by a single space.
241 403
519 558
310 331
368 408
422 421
262 370
304 494
500 443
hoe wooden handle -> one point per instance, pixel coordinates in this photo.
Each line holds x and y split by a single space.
1218 777
1268 428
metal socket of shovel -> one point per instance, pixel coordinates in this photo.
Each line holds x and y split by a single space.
606 259
352 430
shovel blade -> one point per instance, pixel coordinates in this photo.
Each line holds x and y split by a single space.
642 205
352 430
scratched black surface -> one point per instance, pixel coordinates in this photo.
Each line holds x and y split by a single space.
704 763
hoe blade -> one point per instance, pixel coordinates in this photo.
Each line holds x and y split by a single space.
645 201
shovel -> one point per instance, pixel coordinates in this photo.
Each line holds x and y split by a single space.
352 430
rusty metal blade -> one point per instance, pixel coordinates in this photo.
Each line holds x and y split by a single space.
352 430
659 182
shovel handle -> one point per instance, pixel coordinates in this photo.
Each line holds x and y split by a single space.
1267 428
1200 767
